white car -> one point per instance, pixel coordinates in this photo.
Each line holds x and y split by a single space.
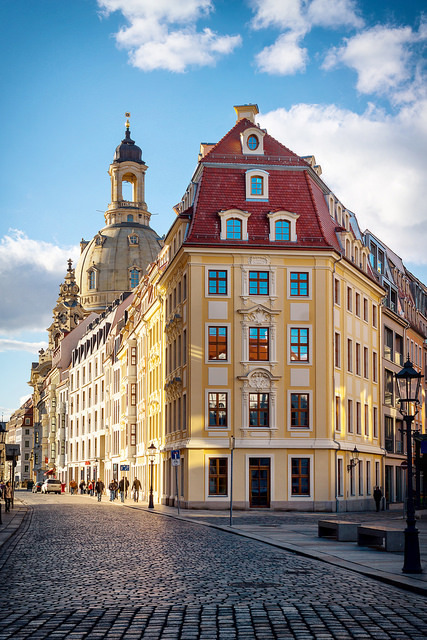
51 486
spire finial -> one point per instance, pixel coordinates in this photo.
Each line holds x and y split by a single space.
70 262
127 116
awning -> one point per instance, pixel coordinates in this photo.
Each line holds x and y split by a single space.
49 472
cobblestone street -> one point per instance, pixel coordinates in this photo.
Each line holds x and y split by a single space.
82 569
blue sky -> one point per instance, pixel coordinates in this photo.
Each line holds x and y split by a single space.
342 80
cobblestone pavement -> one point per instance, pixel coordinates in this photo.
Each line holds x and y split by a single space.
80 569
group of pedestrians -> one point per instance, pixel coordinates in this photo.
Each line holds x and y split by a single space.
6 494
115 488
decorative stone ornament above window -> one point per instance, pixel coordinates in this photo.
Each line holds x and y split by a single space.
234 230
280 232
252 141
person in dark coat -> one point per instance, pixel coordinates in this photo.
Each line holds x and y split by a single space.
123 488
378 494
136 488
99 488
7 494
113 488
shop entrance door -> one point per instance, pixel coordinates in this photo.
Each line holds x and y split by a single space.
259 482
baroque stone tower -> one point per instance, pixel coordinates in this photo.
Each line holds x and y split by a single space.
115 260
68 312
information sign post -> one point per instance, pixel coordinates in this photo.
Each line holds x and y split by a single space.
176 461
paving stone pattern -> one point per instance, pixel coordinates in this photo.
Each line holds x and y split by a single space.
89 570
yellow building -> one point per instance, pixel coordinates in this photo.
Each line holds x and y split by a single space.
271 337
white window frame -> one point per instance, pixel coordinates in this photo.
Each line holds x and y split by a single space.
245 135
214 363
251 173
239 215
299 363
225 498
208 427
259 380
272 271
283 215
215 267
310 497
310 411
299 270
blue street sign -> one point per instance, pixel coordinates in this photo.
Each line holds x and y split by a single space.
124 467
175 457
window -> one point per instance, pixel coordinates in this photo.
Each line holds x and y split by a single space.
337 291
134 278
299 345
299 410
365 362
252 142
366 420
350 416
218 480
132 435
365 309
374 316
388 434
299 283
360 478
300 480
349 355
358 305
375 422
398 350
258 409
358 419
217 409
258 344
388 387
349 299
337 350
133 239
282 230
217 343
92 279
357 359
337 413
258 283
388 343
234 229
368 477
257 185
217 282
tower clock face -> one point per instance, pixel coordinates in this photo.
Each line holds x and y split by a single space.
62 317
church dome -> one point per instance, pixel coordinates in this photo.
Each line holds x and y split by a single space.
127 150
114 261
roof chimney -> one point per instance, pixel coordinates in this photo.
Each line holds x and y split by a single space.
248 111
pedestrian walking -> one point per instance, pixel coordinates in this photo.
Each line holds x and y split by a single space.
99 488
136 488
73 487
90 487
112 488
82 487
7 494
123 488
378 494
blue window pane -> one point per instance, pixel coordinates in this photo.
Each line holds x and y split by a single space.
256 186
234 229
283 230
252 142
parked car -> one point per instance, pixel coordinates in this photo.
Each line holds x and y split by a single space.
51 486
37 486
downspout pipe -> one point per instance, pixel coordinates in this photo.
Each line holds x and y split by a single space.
338 447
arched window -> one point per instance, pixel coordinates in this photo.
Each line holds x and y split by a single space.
133 239
234 229
134 278
282 229
257 185
130 218
92 279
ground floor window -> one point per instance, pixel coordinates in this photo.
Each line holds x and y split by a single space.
300 470
218 476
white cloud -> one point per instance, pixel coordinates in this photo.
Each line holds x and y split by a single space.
30 274
6 344
284 57
297 18
374 163
154 41
383 58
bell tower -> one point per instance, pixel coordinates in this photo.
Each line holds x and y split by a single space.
68 312
127 166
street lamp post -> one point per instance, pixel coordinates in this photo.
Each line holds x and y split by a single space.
151 453
2 455
408 382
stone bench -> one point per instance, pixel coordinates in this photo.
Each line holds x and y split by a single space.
378 536
340 529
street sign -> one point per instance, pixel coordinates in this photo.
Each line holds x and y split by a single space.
175 457
12 451
404 464
124 467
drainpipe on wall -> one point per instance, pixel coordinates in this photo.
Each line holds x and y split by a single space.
333 384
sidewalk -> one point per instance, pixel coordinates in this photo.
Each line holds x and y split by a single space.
12 520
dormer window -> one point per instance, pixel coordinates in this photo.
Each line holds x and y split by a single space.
133 239
283 226
253 142
234 224
256 185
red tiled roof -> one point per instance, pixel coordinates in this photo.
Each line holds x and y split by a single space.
292 189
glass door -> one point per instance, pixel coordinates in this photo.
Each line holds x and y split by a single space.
259 482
